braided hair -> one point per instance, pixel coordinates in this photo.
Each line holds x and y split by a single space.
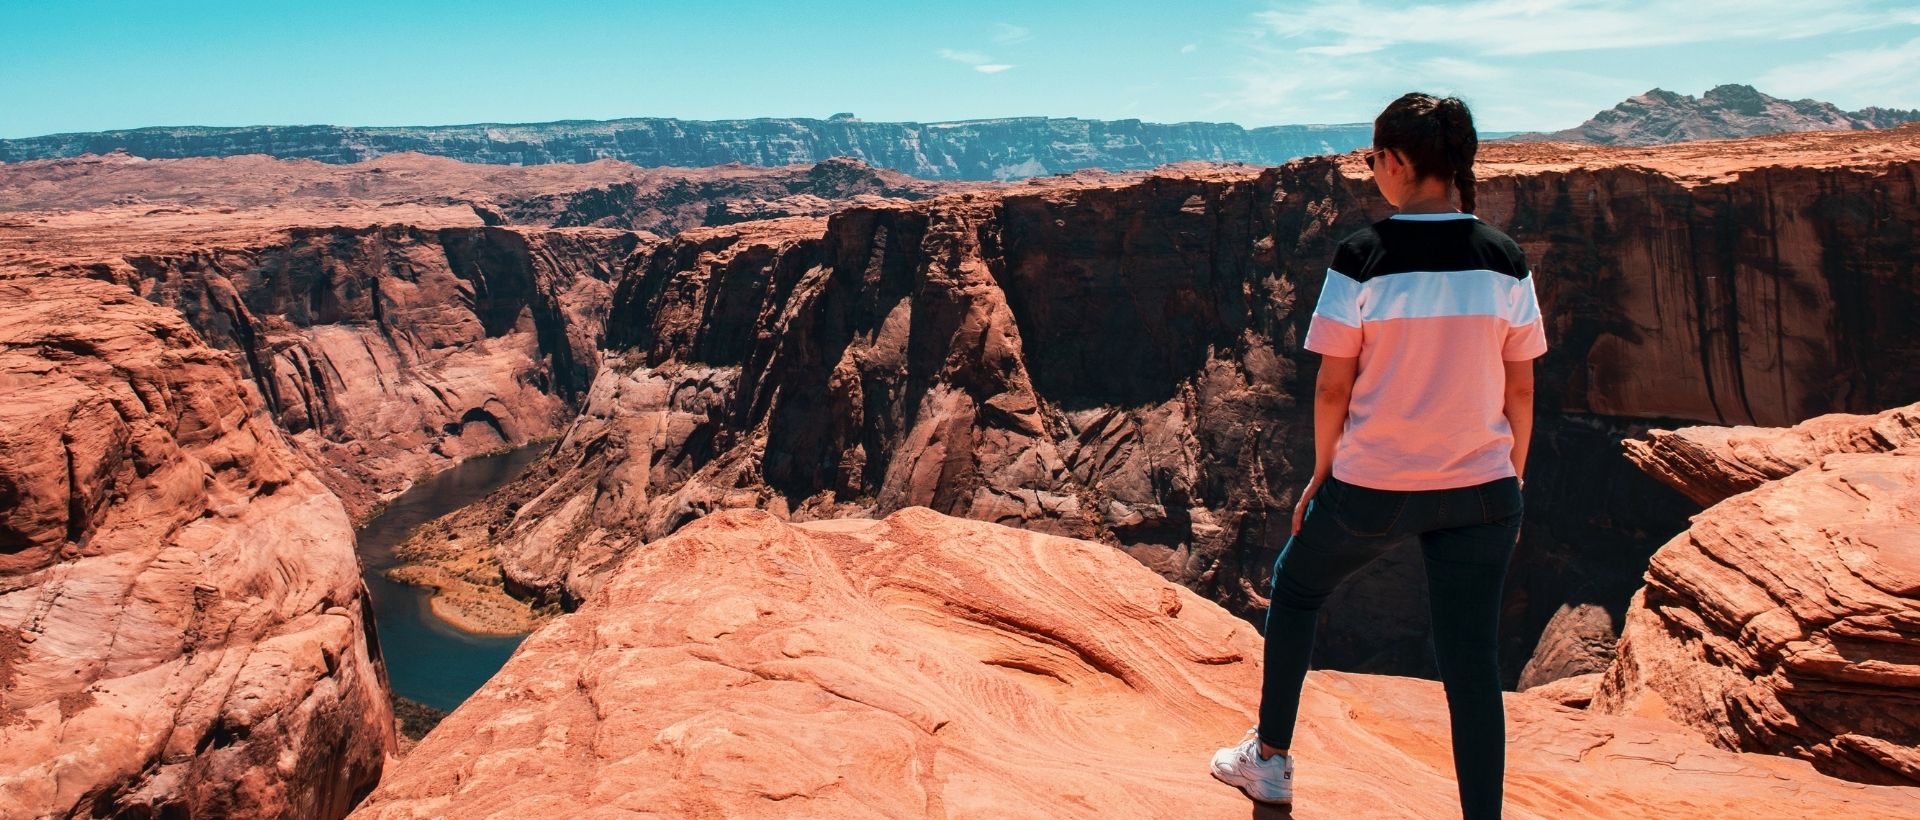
1436 135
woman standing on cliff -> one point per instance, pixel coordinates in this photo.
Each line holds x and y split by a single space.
1427 327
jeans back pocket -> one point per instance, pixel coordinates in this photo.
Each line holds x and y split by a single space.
1502 502
1363 511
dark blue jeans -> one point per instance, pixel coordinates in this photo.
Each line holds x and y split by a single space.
1467 534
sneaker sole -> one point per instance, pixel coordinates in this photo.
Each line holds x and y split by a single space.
1243 790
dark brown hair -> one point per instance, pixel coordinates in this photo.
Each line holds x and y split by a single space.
1436 135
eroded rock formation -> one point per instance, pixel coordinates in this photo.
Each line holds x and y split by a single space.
1787 618
183 629
391 352
390 331
929 666
1120 361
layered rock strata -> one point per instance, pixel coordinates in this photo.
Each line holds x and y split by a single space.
391 352
183 629
1710 464
1787 618
391 349
929 666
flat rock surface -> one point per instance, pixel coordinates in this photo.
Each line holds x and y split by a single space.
929 666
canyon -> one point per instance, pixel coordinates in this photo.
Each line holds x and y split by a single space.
745 368
1119 362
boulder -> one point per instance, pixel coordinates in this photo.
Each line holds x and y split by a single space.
1786 619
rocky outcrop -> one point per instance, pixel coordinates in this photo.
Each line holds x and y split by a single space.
1120 362
1709 464
1724 112
1010 148
928 666
1787 618
183 629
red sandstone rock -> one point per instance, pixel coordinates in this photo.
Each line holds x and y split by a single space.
183 629
1118 360
929 666
391 352
1787 619
1712 463
1575 691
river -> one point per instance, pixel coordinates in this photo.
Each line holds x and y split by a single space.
428 660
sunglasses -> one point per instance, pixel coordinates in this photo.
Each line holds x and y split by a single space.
1372 155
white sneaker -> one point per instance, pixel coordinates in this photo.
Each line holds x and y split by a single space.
1268 781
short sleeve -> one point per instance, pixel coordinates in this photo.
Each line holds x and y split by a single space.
1526 334
1335 327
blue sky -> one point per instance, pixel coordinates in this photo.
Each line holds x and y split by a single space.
1522 64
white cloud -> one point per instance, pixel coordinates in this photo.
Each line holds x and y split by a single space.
980 62
1514 27
1189 48
1006 33
1879 76
968 57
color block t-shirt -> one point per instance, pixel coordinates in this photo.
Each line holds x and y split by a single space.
1431 304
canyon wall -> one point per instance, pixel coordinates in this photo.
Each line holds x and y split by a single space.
390 352
1786 619
1120 362
922 665
183 629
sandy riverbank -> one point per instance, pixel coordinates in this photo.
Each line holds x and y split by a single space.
467 589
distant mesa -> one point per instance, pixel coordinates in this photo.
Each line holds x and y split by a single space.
1004 148
1660 117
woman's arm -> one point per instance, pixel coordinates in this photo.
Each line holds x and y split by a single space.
1331 394
1519 410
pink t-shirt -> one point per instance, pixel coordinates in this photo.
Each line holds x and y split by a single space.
1431 304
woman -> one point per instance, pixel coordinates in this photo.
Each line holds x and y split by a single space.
1427 327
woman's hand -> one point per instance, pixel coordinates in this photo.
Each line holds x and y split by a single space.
1300 507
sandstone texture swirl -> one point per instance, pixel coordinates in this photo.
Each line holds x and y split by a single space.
922 665
1119 360
1787 618
183 628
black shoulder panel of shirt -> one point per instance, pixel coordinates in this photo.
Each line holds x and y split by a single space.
1405 245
